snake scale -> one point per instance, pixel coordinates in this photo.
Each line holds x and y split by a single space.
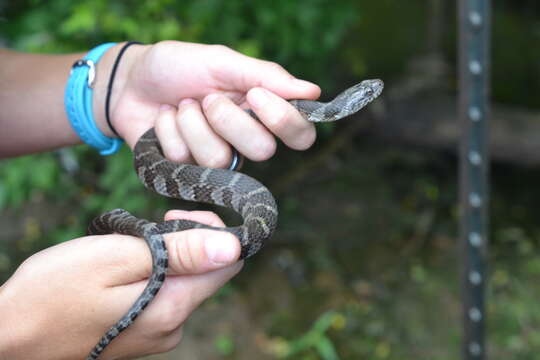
245 195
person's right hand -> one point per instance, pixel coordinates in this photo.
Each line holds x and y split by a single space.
206 88
61 300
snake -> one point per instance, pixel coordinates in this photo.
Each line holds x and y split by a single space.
231 189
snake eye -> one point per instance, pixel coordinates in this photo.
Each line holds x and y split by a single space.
369 92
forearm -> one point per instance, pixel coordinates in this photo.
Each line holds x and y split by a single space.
31 99
32 87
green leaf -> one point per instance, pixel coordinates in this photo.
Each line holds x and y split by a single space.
224 344
326 349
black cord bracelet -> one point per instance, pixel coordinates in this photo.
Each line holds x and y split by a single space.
111 81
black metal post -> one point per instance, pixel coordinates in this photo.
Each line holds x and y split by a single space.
474 19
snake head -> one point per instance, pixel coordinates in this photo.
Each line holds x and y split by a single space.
345 104
371 88
358 96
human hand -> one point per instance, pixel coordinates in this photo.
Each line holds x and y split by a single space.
207 87
61 300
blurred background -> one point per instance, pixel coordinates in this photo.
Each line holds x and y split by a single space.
365 263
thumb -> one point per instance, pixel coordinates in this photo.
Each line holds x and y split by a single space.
190 252
194 251
244 73
199 251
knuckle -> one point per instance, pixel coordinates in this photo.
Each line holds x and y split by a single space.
184 257
219 113
184 113
154 57
279 119
167 320
162 121
189 118
26 269
192 253
274 66
157 49
220 49
170 342
163 44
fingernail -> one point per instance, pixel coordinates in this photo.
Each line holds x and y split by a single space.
259 97
187 101
220 249
165 107
208 100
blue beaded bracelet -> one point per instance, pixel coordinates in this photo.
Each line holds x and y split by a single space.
78 102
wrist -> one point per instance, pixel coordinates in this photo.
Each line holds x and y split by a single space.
121 84
15 330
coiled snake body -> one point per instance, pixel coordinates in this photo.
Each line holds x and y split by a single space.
231 189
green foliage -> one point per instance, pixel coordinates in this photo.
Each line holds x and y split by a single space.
100 185
224 344
514 317
315 343
323 40
118 175
388 30
29 176
300 34
316 338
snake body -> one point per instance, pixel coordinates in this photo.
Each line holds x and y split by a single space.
245 195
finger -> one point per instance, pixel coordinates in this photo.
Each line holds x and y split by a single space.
281 118
242 73
208 148
143 338
124 259
199 287
174 147
243 132
203 217
177 299
199 251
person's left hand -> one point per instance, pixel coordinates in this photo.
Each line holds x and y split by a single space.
61 300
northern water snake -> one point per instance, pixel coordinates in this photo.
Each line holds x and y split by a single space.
231 189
